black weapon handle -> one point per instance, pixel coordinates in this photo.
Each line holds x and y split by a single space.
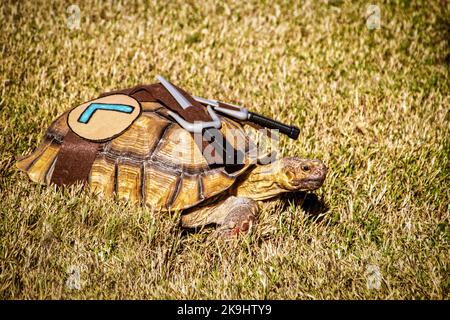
291 131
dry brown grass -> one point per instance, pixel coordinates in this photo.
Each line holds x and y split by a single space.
373 104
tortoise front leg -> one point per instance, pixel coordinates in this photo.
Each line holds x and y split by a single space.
233 216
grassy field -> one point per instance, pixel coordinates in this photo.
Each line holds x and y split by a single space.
372 103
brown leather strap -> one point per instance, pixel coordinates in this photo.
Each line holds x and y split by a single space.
157 92
197 112
74 160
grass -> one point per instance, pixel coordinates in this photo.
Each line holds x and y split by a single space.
372 104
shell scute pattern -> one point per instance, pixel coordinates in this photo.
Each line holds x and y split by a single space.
40 164
144 134
154 162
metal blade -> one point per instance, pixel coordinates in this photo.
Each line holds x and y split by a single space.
182 101
242 114
198 126
213 103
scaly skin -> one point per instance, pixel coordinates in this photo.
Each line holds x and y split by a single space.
238 210
285 175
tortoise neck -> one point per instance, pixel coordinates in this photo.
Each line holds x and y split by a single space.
261 183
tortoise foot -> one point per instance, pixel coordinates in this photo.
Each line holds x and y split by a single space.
231 233
239 219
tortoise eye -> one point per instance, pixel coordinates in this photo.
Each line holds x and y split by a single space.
305 167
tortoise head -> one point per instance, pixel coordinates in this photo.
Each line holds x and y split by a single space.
285 175
296 174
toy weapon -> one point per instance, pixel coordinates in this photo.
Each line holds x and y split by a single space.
242 113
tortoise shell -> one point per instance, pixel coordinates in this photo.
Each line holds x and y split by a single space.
154 161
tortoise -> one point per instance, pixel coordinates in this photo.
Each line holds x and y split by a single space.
153 161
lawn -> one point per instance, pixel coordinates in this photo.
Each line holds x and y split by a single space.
371 99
